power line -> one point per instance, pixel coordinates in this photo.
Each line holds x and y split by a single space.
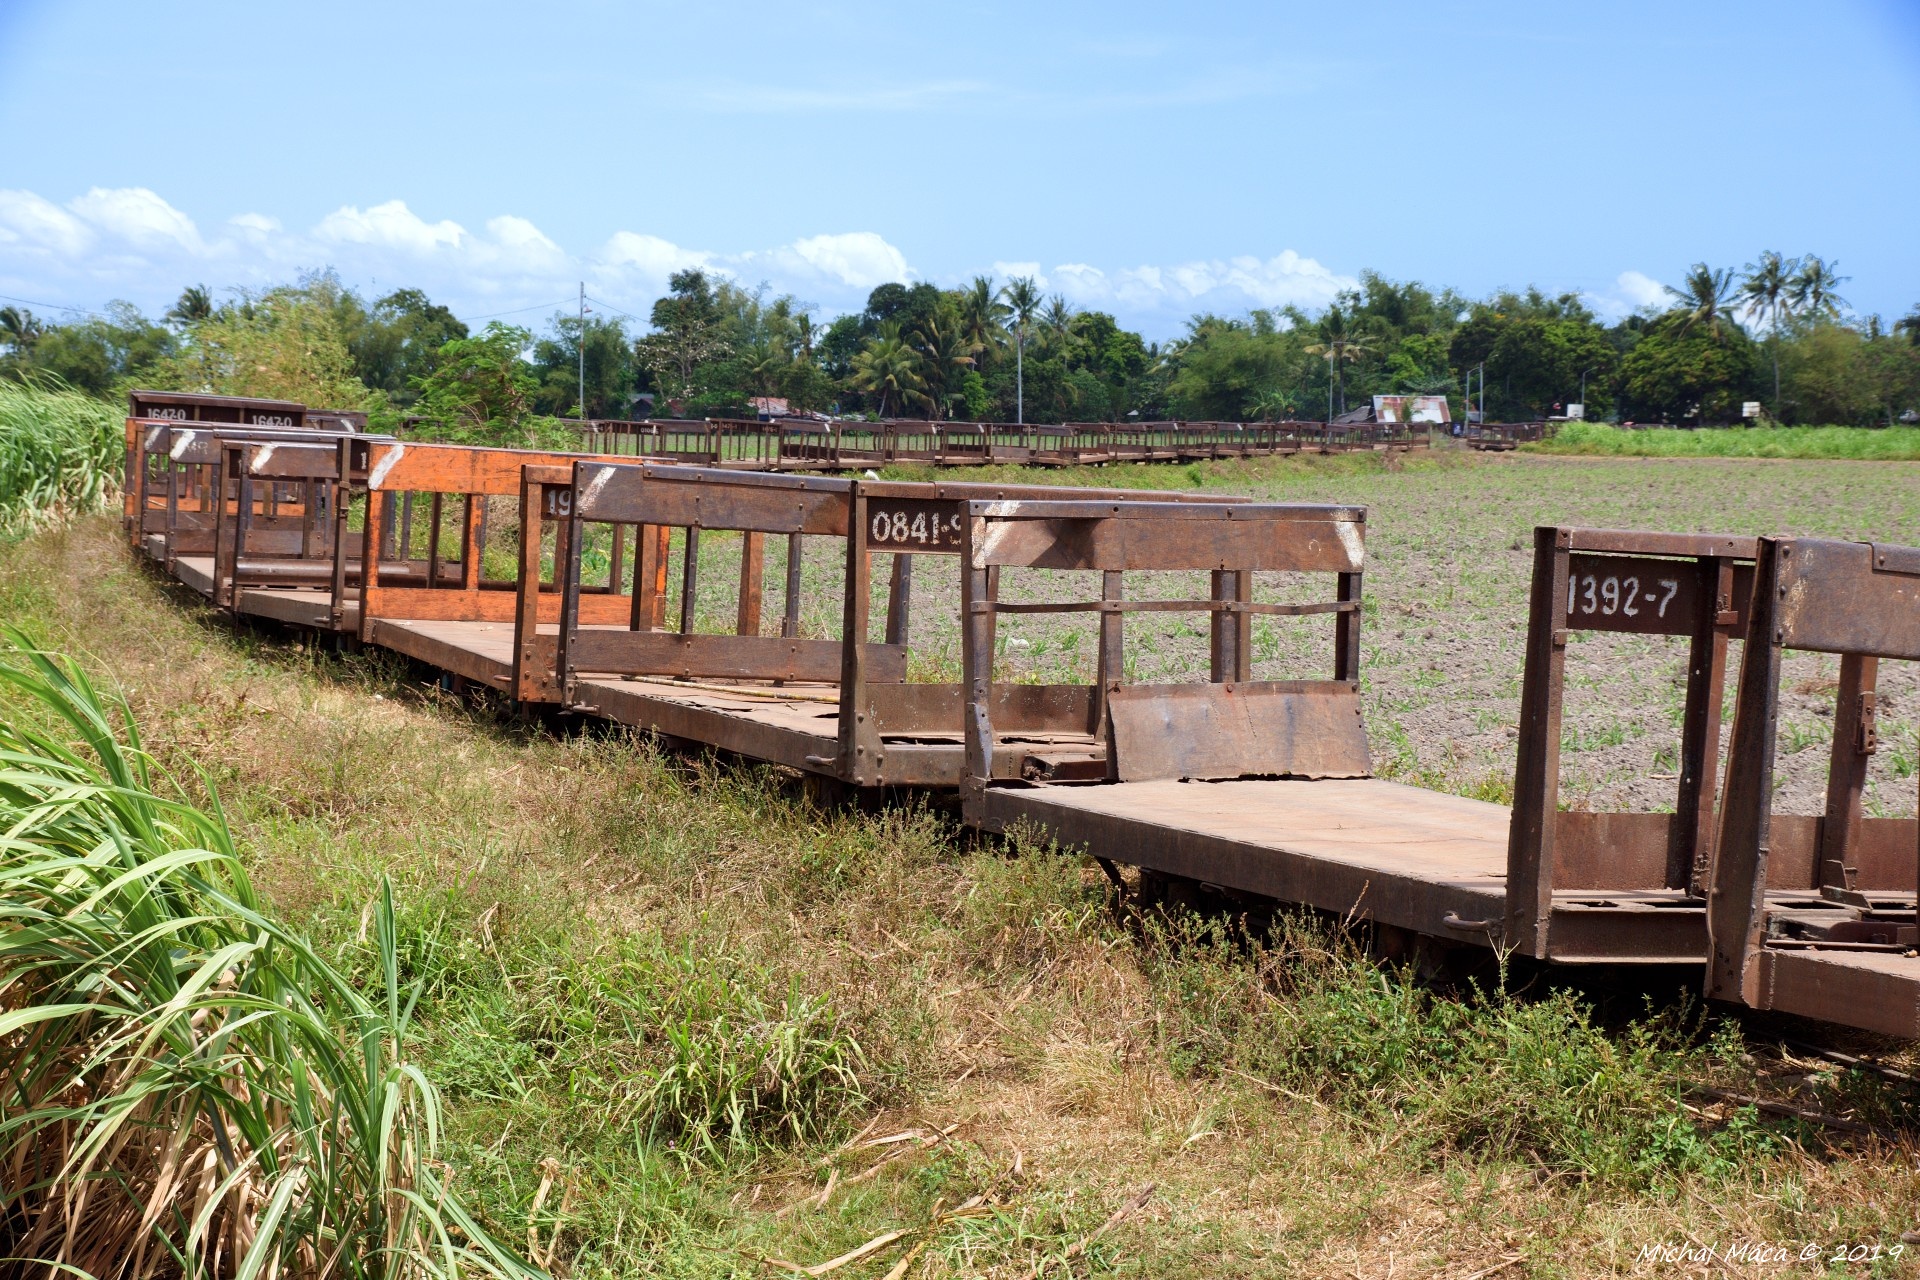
538 306
85 311
617 311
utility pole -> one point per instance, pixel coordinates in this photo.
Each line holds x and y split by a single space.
580 347
1020 373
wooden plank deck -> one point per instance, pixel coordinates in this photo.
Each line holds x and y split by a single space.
1364 847
300 606
196 572
798 726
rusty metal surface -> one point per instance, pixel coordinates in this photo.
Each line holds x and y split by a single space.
1214 731
1847 954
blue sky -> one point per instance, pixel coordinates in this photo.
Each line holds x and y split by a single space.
1150 160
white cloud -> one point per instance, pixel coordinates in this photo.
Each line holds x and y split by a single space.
1229 284
31 223
858 259
391 225
131 243
1641 290
1632 290
137 216
649 257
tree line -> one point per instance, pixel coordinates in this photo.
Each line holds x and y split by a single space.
1776 331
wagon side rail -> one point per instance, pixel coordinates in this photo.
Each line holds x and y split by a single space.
1227 727
1833 934
1690 585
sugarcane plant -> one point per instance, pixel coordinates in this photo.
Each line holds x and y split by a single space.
186 1086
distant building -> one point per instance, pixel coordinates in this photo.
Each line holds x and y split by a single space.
769 406
1399 411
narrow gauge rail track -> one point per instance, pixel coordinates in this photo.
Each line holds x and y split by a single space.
545 578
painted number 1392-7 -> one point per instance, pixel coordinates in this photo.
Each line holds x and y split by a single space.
1592 594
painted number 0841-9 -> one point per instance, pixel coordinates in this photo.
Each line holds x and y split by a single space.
920 528
1590 594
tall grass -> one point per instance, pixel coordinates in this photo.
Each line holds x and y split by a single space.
60 453
1890 444
186 1086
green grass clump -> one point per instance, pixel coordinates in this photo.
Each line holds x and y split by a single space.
1487 1072
190 1088
1870 444
60 453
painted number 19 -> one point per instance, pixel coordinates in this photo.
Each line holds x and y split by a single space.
1607 596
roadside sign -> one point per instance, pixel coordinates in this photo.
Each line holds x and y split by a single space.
1749 408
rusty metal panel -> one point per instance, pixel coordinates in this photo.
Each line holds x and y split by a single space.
667 653
1610 850
1882 852
1245 541
1652 543
180 406
1017 708
1874 991
1849 597
702 498
1305 729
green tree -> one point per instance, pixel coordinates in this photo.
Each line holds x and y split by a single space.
890 370
1678 372
947 357
481 390
1908 324
982 316
102 354
1341 343
1021 299
1701 300
20 329
284 343
1816 289
194 305
1224 368
398 341
1769 287
687 333
609 366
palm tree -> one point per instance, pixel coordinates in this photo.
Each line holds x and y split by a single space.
1702 298
946 354
1022 302
1769 289
1908 324
1341 343
1270 404
982 314
805 331
21 327
889 368
195 305
1814 288
1057 323
764 363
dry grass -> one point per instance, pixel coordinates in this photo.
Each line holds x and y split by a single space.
558 893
